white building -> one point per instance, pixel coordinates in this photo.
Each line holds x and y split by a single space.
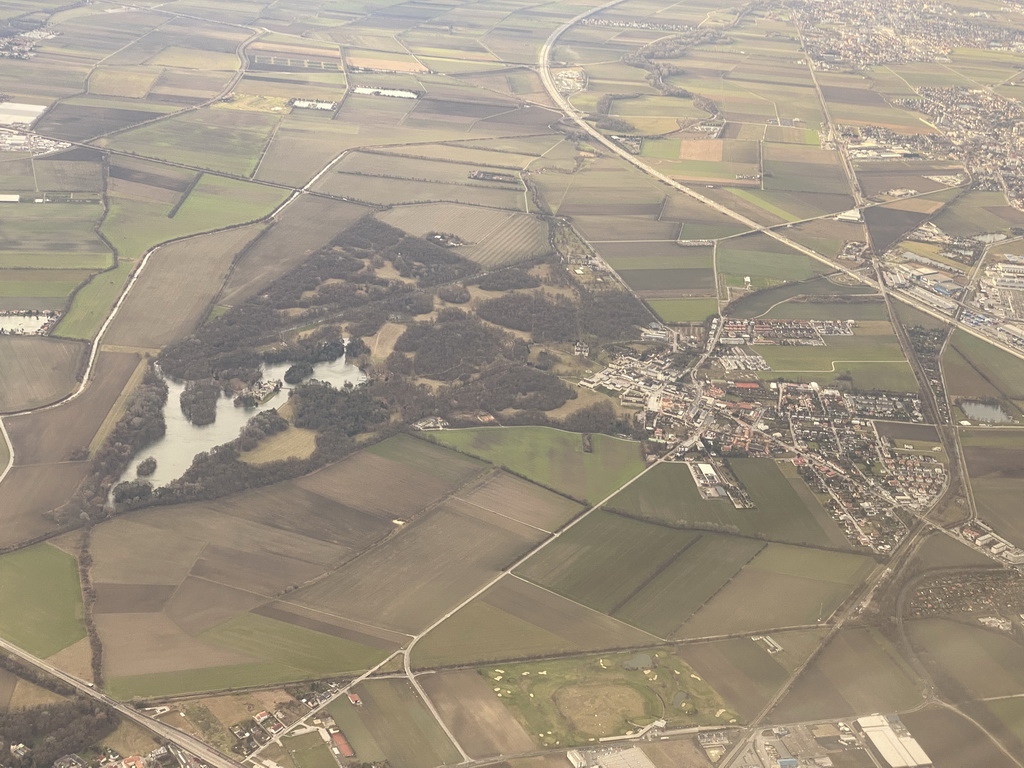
896 750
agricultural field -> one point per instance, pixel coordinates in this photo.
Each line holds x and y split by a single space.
492 237
225 140
662 270
36 370
786 510
783 586
975 368
760 303
994 462
41 603
372 731
481 722
201 588
968 660
684 310
552 458
858 671
515 619
959 741
743 669
180 281
765 261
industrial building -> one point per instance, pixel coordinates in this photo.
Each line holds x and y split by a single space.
889 741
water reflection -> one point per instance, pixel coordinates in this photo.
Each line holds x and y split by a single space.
176 449
987 412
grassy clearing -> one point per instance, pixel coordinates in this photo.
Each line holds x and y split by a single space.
41 601
574 701
292 443
309 751
684 310
552 458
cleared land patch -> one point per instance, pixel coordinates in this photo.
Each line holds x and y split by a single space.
36 370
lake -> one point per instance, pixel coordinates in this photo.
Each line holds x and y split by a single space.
987 412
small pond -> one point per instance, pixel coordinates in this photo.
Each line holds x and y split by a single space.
989 413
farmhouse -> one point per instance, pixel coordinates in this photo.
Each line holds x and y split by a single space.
895 749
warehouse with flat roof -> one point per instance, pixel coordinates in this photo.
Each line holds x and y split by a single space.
895 748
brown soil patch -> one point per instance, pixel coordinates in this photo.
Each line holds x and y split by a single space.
599 710
234 709
702 149
29 492
328 625
259 572
132 598
199 605
917 205
76 659
396 65
48 436
520 500
130 739
480 722
383 343
28 694
146 643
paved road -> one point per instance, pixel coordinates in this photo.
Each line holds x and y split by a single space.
203 751
544 69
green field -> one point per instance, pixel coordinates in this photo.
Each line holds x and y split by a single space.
217 139
92 303
684 310
573 701
975 368
309 751
605 560
786 509
135 225
402 726
552 458
203 679
783 586
313 653
40 600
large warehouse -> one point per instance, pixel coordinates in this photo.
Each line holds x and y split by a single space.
896 750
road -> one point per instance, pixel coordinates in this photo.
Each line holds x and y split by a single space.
201 750
544 69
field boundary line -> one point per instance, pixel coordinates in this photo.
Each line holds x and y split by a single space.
587 607
499 514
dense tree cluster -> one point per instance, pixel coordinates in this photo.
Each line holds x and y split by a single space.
456 293
199 401
456 345
508 280
613 315
509 387
654 57
55 729
349 410
260 427
141 424
544 318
